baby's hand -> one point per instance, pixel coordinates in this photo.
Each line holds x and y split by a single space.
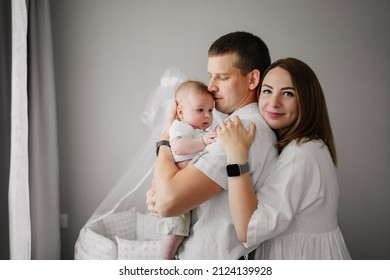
209 137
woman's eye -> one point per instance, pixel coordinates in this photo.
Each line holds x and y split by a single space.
288 93
266 91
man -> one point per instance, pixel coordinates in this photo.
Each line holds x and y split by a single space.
235 64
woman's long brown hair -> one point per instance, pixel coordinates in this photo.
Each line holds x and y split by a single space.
313 120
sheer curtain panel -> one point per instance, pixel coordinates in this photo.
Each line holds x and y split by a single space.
18 193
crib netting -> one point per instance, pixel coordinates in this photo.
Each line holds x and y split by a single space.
121 227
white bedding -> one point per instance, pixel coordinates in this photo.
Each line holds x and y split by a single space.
138 250
121 235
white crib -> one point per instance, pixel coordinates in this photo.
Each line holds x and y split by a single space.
121 228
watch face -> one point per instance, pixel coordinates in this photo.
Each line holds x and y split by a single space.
233 170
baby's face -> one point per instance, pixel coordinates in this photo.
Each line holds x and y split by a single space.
197 110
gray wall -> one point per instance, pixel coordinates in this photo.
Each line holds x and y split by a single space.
110 54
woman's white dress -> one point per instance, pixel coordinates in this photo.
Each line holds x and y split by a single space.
296 216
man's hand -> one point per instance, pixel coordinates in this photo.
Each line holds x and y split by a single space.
151 201
171 117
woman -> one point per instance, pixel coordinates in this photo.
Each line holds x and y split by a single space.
294 215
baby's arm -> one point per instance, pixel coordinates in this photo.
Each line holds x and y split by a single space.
187 145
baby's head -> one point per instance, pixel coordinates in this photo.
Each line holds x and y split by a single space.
195 104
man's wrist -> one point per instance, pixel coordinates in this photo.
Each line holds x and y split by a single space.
165 136
161 143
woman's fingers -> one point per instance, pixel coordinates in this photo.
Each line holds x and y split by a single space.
252 131
236 120
232 131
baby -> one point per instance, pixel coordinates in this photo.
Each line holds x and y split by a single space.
188 137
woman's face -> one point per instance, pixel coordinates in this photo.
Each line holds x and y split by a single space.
278 103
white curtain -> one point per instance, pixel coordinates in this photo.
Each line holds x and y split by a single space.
43 150
18 193
33 194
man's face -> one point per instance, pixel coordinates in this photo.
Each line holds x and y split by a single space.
228 86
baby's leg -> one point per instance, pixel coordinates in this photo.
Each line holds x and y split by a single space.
182 164
170 244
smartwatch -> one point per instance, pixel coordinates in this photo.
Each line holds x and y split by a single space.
160 143
235 169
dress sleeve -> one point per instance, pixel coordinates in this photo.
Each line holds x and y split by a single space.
283 194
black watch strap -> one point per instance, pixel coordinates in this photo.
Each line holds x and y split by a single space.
235 169
160 143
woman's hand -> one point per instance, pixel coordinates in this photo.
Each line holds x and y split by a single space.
171 117
235 139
